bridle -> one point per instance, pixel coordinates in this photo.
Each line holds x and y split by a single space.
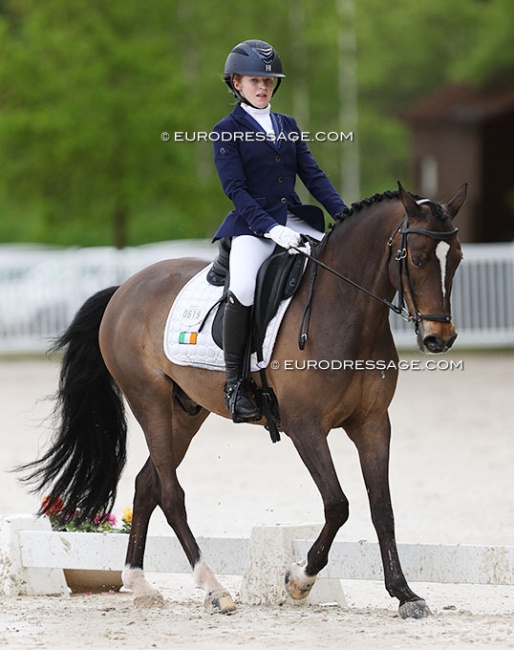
403 272
403 276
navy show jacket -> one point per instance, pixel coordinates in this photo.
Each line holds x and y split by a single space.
258 175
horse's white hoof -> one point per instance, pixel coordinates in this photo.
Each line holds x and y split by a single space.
415 609
148 600
219 602
298 584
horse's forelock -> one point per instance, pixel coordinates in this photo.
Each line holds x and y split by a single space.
438 211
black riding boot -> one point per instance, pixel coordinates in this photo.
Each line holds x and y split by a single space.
236 332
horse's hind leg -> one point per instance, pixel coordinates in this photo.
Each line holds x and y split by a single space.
169 426
144 504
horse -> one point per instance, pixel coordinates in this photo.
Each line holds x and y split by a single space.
113 351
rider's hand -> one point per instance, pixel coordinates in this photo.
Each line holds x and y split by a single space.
285 237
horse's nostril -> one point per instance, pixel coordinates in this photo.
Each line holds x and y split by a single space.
434 343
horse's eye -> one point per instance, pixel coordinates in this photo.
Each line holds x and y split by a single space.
418 261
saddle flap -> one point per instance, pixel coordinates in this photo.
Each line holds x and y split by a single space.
277 280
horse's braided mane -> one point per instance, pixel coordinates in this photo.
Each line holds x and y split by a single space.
363 203
387 195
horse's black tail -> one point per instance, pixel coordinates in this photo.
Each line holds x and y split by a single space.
88 450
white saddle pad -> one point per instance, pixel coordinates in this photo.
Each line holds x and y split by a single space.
185 345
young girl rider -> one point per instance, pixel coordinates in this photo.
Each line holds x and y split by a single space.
258 155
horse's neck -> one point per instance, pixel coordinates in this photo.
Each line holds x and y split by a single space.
358 249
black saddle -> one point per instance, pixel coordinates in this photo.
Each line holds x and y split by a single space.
277 280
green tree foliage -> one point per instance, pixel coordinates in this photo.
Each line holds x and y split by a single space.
405 52
86 89
86 92
491 60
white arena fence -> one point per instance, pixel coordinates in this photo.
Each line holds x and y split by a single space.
34 560
41 289
482 299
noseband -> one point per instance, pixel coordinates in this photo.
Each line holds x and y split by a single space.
403 272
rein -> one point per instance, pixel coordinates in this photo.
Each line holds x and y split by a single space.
401 257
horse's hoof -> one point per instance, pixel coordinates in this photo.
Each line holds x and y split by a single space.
148 600
298 584
219 602
415 609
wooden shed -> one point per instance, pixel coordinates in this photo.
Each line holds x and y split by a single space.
465 134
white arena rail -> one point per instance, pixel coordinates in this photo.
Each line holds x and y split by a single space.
482 299
33 557
41 290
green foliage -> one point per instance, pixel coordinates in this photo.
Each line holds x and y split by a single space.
86 95
86 89
491 60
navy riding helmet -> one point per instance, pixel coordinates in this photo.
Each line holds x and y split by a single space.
252 58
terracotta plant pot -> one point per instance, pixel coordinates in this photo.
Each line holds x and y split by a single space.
87 580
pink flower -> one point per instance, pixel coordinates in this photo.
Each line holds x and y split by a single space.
102 519
111 519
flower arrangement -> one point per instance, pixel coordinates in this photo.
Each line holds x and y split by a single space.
62 519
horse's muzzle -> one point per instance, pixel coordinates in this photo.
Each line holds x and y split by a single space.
435 338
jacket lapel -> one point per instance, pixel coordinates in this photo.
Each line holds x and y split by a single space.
247 120
276 120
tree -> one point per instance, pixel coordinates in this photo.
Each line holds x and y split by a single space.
85 96
491 61
86 89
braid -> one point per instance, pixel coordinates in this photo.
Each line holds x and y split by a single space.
437 209
376 198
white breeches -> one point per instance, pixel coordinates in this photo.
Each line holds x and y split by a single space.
248 253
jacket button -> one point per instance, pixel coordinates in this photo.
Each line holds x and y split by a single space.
278 158
280 179
283 200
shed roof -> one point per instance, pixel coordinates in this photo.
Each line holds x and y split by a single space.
461 103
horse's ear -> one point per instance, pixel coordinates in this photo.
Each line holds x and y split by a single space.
455 204
411 207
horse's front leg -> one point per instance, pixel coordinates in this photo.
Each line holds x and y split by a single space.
313 448
372 440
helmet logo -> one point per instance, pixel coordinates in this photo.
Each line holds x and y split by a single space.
266 54
268 67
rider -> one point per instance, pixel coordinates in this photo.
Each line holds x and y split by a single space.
258 155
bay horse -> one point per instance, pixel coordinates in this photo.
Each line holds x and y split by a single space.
391 242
